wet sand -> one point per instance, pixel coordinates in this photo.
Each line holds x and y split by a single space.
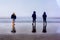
24 32
30 37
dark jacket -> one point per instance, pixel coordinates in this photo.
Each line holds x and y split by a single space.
44 16
13 16
34 16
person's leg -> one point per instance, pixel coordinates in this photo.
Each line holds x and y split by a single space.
13 26
44 27
34 26
32 22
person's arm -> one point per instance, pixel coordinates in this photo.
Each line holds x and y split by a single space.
35 15
11 16
46 16
15 17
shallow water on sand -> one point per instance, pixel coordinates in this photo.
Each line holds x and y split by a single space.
26 28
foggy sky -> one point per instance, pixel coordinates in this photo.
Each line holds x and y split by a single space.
25 8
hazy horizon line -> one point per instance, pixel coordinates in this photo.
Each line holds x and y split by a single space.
31 17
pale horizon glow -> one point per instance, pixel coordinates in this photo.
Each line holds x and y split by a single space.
25 8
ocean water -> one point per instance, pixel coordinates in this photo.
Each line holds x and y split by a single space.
29 19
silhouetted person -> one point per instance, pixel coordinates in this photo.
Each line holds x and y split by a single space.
44 17
34 21
44 22
13 17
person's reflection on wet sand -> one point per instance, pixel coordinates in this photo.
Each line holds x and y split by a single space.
44 27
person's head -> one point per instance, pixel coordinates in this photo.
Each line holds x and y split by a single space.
13 13
44 13
34 12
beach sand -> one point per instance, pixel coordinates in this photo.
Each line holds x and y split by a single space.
24 31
